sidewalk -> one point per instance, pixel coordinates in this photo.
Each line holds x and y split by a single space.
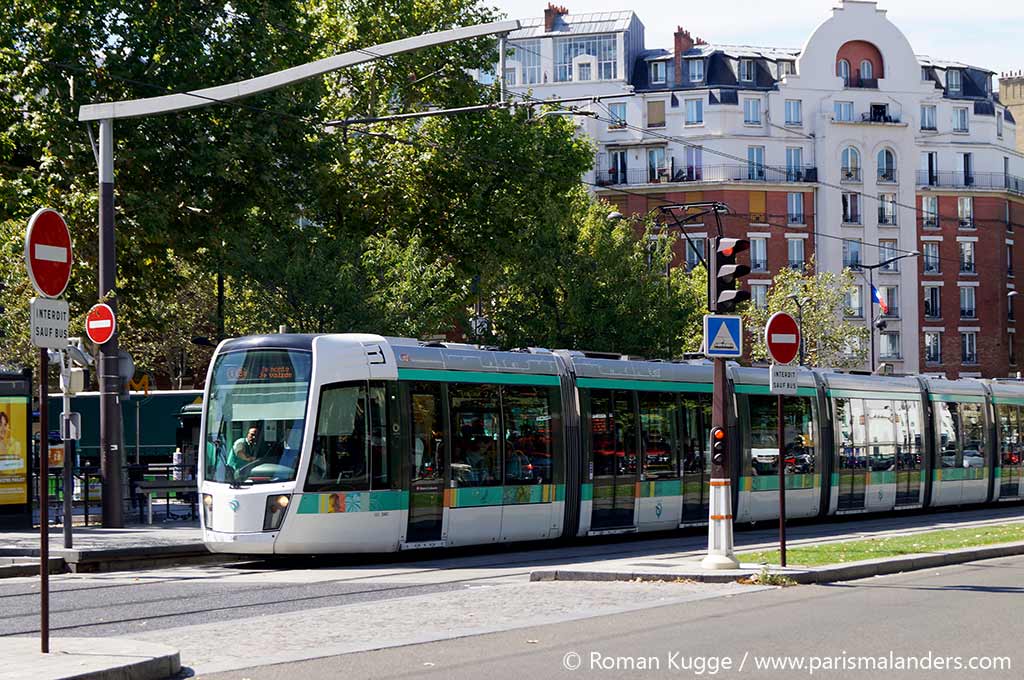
88 658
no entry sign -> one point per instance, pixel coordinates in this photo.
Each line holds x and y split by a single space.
782 335
48 252
99 323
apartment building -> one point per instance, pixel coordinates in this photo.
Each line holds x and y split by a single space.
851 149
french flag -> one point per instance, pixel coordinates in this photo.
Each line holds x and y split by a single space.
877 298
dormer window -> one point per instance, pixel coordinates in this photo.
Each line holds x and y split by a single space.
696 67
657 72
786 68
583 71
953 80
747 70
926 74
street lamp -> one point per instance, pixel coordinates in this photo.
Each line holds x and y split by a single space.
800 302
871 290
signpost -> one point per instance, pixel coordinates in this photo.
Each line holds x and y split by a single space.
782 336
48 261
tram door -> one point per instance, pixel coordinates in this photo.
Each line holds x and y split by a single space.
696 475
427 464
1010 451
851 453
909 451
614 455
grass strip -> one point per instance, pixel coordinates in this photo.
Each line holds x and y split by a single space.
890 546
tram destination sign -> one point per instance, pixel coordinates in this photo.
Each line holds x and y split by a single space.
49 322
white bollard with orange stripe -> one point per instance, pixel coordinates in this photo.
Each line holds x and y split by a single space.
720 547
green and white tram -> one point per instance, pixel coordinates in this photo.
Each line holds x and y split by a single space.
360 443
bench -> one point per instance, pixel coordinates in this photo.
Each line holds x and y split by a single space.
165 487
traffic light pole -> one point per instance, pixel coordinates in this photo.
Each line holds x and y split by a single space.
720 540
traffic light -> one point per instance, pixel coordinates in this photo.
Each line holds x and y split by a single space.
723 298
718 446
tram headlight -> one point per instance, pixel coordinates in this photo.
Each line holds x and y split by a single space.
208 511
277 508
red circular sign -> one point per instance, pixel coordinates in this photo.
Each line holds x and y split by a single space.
99 323
782 335
48 252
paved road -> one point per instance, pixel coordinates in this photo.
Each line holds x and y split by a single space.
970 610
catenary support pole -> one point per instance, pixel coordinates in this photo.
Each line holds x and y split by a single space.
44 507
111 464
502 49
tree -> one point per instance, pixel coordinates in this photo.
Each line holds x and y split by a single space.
831 338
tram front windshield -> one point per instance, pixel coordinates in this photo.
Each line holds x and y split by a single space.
255 416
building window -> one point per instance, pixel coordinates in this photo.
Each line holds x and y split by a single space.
795 253
967 307
930 211
1009 259
1010 341
854 303
886 166
752 111
889 345
694 163
933 302
887 251
887 210
696 67
694 252
794 112
795 207
926 74
656 114
891 296
851 253
794 164
755 163
931 257
694 111
844 111
960 119
953 81
747 70
932 347
851 165
510 77
759 295
787 68
656 168
843 71
999 124
969 347
618 111
867 70
583 72
928 117
967 257
851 208
617 171
758 254
527 53
965 211
658 72
1010 313
601 47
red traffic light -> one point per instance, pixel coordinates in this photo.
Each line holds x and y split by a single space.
718 433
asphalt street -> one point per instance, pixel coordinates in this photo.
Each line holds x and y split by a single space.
966 614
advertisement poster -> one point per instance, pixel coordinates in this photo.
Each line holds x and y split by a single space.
14 450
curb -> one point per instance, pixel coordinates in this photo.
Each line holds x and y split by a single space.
829 574
90 659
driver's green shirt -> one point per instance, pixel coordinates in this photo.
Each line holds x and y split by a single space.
234 460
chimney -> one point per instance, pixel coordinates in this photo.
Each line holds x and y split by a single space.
552 13
683 43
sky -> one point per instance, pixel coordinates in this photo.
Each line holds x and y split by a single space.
989 37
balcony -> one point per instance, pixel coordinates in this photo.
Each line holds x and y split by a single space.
876 117
893 313
757 265
849 175
967 267
966 223
856 82
887 176
886 218
932 311
968 313
797 265
996 181
750 172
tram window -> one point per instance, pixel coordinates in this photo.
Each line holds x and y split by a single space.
798 445
1008 435
947 419
380 463
880 418
530 434
428 431
659 435
908 434
613 432
851 433
696 423
972 417
475 435
339 460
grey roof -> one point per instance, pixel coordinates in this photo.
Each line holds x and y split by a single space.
925 60
656 55
575 24
744 51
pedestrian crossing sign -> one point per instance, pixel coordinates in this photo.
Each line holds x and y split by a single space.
723 336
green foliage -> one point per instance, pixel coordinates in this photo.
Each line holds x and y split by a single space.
830 338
